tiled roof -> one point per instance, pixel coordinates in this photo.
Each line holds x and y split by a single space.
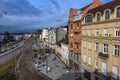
110 5
85 7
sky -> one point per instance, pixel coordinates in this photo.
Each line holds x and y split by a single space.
29 15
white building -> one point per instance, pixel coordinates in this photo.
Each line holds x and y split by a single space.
52 37
45 36
65 53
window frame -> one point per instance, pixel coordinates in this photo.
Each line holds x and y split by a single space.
90 60
117 31
89 18
116 50
105 48
96 45
90 45
118 11
107 14
84 58
105 32
85 44
96 63
97 32
98 16
115 72
104 68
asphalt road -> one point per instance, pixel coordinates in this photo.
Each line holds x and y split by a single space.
11 54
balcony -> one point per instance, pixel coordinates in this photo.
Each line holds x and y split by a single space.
77 38
103 56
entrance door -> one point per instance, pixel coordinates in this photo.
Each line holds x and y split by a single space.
87 75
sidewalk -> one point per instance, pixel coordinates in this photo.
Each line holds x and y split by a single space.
57 69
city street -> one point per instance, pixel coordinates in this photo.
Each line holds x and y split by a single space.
50 65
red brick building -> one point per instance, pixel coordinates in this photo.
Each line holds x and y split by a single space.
75 34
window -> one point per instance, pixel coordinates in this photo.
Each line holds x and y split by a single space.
96 63
88 18
71 45
116 50
96 47
71 26
90 33
105 49
118 12
115 71
90 45
107 14
97 32
77 27
84 44
98 17
117 31
77 24
106 32
84 33
77 45
90 60
104 68
84 58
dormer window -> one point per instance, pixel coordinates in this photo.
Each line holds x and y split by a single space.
118 12
107 14
98 16
88 18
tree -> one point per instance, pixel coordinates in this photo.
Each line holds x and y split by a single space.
8 38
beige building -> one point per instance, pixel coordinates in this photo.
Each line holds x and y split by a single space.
101 42
45 36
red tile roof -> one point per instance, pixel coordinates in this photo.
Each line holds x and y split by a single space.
85 7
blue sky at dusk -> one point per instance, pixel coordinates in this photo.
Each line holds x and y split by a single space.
28 15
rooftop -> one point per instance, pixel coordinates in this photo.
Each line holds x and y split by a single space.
110 5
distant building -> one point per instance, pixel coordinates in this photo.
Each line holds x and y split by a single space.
27 35
56 34
45 36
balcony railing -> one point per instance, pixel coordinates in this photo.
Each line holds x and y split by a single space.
102 55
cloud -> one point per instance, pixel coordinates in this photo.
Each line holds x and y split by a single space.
25 15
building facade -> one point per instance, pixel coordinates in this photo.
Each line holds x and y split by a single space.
75 31
45 36
52 37
101 42
55 35
65 53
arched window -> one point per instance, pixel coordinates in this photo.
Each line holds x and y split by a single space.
118 12
88 18
107 14
98 16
